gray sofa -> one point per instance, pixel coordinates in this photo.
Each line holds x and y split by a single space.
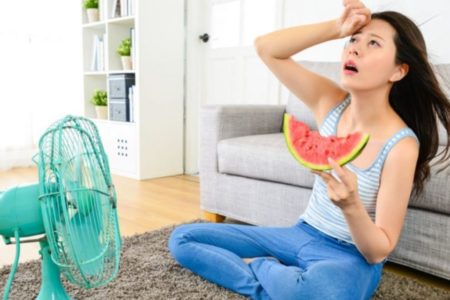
248 174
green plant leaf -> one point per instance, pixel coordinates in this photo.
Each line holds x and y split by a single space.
90 4
124 48
99 98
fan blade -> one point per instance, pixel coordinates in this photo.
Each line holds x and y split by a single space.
85 245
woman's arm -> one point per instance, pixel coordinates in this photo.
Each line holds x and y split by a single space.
375 240
284 43
275 49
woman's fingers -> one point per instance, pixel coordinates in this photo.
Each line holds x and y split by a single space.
350 10
345 14
340 172
354 16
340 186
348 2
355 5
363 15
334 187
329 179
324 175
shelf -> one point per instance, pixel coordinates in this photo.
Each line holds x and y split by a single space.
95 73
127 21
151 146
103 73
122 72
110 122
94 25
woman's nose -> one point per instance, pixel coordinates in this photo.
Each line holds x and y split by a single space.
352 50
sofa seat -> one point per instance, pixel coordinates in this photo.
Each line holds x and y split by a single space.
265 157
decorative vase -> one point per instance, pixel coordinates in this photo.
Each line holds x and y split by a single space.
92 14
127 64
102 112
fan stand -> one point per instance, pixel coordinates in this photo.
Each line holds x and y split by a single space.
51 286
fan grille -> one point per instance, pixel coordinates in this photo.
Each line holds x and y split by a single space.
78 202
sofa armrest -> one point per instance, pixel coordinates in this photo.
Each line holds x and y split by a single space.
219 122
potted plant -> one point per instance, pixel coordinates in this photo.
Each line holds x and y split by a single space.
91 7
100 101
124 51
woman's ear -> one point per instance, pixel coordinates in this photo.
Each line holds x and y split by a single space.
401 72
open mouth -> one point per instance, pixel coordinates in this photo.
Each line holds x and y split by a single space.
351 67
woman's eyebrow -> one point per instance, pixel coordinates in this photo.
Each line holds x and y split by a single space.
371 34
376 35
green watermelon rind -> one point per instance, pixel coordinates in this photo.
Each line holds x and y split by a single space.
324 167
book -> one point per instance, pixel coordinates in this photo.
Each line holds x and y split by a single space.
94 57
115 9
131 103
101 54
123 8
98 53
133 48
130 7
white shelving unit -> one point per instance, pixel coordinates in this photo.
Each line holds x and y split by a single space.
152 145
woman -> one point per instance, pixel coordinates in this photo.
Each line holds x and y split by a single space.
355 214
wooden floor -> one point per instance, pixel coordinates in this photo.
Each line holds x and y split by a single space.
149 205
142 205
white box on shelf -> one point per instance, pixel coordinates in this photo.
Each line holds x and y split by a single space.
119 141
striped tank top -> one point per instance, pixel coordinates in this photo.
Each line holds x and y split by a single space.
321 213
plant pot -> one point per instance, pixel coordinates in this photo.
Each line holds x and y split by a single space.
92 14
101 112
127 64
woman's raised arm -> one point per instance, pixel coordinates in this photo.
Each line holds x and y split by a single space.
276 49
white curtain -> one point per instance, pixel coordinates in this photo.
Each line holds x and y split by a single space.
40 78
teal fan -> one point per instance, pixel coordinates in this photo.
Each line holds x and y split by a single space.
72 210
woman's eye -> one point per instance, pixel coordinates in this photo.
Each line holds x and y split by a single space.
374 43
352 40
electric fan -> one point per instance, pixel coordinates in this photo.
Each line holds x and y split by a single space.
72 208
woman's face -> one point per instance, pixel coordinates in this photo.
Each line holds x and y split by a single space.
368 59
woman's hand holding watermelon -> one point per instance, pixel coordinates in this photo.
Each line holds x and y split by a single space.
343 191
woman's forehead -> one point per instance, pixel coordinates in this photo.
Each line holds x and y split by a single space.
380 28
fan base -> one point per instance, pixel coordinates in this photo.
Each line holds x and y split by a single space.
51 286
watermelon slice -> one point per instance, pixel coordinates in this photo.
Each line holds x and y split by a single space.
312 150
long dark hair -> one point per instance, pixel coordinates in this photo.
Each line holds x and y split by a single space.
418 98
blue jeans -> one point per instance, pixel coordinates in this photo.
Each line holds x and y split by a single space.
298 262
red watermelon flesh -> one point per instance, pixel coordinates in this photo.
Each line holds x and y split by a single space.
313 150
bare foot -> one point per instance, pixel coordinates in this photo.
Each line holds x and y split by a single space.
249 260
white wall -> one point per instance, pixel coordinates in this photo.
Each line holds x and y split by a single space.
436 30
41 73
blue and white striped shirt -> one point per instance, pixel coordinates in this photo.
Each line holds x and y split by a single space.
321 213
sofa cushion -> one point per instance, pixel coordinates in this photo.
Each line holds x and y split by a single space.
443 75
264 157
436 192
